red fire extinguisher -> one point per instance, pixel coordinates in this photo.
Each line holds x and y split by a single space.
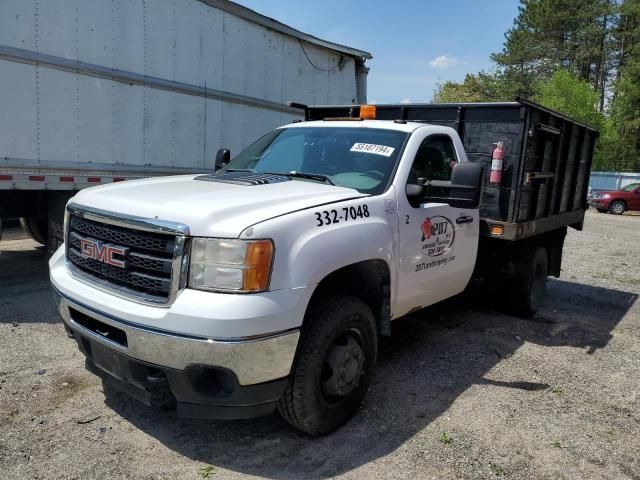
496 164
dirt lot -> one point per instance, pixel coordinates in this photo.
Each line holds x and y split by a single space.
462 391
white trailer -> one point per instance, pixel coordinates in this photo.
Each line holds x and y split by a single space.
96 91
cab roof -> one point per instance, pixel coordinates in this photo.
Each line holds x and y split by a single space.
406 127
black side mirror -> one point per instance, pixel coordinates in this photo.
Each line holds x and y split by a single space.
223 157
466 185
462 191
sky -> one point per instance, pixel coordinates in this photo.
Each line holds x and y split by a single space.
415 44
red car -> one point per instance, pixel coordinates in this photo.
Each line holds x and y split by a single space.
617 201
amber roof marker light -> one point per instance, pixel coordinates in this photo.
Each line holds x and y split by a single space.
368 112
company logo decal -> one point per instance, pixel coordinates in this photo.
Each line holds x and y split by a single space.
104 252
437 235
427 229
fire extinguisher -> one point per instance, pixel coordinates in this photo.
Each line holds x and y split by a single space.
496 164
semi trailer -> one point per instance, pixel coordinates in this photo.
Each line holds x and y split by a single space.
96 92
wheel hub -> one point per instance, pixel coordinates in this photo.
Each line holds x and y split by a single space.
344 364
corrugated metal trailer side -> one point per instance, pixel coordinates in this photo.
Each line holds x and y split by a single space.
127 85
94 91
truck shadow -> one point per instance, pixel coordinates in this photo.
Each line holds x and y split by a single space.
433 357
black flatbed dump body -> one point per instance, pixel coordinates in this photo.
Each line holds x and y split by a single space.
546 167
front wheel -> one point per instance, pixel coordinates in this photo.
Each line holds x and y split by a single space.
617 207
333 370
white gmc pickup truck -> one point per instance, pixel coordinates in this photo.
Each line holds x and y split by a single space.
267 283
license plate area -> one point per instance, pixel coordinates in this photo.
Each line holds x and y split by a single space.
106 359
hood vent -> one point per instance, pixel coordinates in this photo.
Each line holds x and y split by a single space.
245 178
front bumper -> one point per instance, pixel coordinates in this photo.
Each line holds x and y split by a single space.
209 375
203 376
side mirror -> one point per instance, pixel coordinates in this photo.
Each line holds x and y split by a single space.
466 185
462 191
223 157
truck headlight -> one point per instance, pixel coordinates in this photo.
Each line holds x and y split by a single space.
241 266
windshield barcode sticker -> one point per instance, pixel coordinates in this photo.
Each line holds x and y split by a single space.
372 148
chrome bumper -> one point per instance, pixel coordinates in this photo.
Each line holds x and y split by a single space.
253 360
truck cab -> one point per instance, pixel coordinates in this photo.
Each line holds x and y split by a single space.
267 283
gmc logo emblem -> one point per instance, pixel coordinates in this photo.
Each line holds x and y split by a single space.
103 252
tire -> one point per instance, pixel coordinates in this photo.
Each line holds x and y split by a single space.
55 237
617 207
526 291
55 220
36 228
318 398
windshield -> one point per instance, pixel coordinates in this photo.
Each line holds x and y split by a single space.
358 158
630 188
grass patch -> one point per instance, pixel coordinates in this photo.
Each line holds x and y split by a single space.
498 471
207 471
445 438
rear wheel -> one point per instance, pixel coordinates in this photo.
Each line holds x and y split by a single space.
617 207
526 291
36 228
55 220
333 370
55 235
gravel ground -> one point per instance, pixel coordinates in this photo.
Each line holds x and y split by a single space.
462 391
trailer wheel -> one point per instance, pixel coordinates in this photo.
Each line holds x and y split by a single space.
55 236
617 207
36 228
334 366
56 202
526 291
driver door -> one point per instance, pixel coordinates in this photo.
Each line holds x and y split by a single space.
437 242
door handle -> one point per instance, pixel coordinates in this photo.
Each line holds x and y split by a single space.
464 219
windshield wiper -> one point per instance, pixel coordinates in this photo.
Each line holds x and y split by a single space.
311 176
250 170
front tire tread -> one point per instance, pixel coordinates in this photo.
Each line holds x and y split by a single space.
298 404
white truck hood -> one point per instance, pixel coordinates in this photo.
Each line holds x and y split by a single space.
210 209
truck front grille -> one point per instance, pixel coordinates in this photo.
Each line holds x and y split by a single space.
146 264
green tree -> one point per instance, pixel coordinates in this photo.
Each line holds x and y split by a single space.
547 35
483 87
625 110
568 94
579 57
